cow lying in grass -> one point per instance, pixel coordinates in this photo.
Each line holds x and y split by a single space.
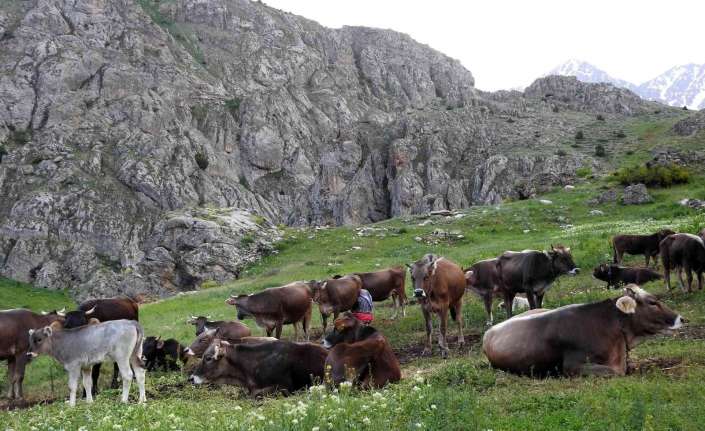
360 354
203 341
78 349
615 275
578 339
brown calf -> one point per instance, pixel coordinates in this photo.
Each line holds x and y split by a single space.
648 245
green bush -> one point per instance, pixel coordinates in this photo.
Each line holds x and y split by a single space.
3 152
579 135
561 153
600 150
233 106
653 176
199 113
583 172
19 137
600 117
619 134
202 160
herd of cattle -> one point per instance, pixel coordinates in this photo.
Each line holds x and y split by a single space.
570 340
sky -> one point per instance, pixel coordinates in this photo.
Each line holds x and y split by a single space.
507 44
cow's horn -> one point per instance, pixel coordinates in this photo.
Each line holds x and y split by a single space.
91 311
44 313
31 331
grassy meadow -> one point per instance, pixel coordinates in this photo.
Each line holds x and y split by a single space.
663 392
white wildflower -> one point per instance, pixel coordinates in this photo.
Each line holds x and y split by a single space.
366 420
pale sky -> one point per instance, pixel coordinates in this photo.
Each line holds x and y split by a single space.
508 43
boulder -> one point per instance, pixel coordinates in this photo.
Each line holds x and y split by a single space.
604 197
636 194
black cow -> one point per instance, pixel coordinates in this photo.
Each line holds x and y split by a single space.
616 275
532 272
648 245
164 354
683 251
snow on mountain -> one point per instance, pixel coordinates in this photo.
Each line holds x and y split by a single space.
680 86
586 72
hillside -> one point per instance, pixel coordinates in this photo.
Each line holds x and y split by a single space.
131 127
663 391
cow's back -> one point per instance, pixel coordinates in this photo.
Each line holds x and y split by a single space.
450 276
232 331
380 284
89 344
295 300
112 309
485 276
14 327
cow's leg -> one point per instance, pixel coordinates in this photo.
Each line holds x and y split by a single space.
74 374
306 324
87 384
700 280
429 331
539 299
11 377
139 376
689 277
395 303
459 318
680 277
126 375
96 375
296 331
487 300
647 257
667 275
324 322
442 342
508 302
114 382
530 297
20 366
278 328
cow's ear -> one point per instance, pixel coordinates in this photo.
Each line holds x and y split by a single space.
626 305
31 331
634 291
93 321
56 325
47 331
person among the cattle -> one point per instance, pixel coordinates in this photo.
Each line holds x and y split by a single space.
362 310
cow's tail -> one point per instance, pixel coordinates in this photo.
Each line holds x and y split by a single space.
137 350
614 251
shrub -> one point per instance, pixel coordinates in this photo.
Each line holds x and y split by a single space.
3 152
600 117
561 153
583 172
685 108
600 150
555 109
653 175
620 134
510 120
233 106
579 135
19 137
247 240
199 113
202 160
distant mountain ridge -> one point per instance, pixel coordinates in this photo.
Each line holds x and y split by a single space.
679 86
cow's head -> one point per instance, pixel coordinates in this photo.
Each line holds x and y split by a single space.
315 288
201 343
40 339
77 318
240 303
213 366
422 271
344 330
562 260
199 322
602 272
663 233
151 346
646 313
470 278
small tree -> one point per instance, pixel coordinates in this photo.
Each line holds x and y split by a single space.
600 150
685 108
202 160
555 109
600 117
579 135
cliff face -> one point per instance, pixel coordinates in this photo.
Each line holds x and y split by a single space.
116 116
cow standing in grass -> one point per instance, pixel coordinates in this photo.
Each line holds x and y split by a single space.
14 343
385 283
647 245
80 348
439 285
683 252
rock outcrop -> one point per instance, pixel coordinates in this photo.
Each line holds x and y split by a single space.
636 194
116 113
690 125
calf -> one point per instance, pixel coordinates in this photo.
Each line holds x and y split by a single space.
439 285
482 278
103 310
336 295
262 368
648 245
231 329
78 349
14 343
616 275
683 251
532 272
277 306
164 354
382 284
203 341
580 338
362 351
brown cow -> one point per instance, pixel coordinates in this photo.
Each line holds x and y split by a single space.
230 329
648 245
683 251
262 368
104 310
482 278
578 339
361 351
382 284
336 295
439 285
14 343
201 343
277 306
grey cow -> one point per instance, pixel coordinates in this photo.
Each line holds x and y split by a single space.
80 348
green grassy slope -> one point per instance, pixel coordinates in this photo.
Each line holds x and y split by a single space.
463 392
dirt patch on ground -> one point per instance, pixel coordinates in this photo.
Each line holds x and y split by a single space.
6 405
648 365
412 352
691 332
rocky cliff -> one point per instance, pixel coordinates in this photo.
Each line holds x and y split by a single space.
125 123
